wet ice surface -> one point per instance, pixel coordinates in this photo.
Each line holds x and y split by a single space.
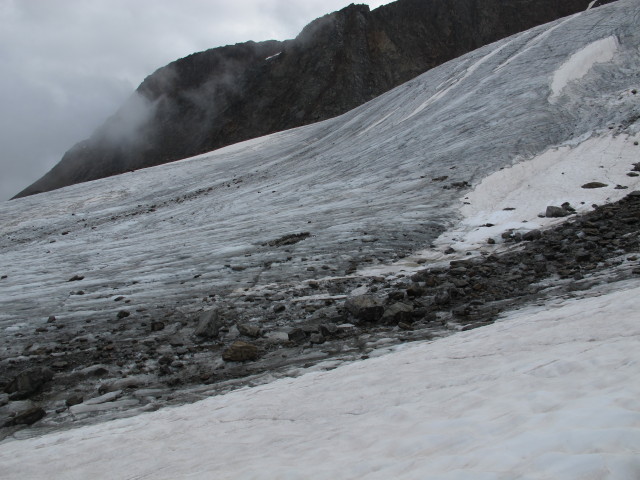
371 186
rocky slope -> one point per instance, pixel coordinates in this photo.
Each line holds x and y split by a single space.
254 337
229 94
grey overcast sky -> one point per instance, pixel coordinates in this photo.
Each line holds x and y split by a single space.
66 65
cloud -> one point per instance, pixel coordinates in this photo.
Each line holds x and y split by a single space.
70 64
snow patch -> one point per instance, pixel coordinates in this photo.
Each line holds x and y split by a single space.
515 196
579 64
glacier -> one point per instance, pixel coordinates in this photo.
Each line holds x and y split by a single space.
546 392
368 173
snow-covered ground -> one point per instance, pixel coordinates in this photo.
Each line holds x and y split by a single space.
547 393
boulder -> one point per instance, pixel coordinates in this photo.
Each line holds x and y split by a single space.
442 297
277 337
297 335
28 382
398 312
316 338
532 235
209 324
239 352
415 291
555 212
328 329
594 185
365 308
26 417
157 326
74 400
253 331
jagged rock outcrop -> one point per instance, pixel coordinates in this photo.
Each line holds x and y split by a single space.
229 94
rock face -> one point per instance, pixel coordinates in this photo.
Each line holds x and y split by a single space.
229 94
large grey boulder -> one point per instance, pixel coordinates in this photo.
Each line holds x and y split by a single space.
553 211
365 308
209 324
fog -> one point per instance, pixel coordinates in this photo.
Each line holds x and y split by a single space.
68 65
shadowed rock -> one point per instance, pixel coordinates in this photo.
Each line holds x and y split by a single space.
28 382
209 324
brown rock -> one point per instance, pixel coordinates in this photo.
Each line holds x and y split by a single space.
239 352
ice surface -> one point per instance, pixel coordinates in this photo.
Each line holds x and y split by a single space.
581 62
361 184
546 393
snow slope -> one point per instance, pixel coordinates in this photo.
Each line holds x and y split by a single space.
546 393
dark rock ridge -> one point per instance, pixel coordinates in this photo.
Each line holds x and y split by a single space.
229 94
